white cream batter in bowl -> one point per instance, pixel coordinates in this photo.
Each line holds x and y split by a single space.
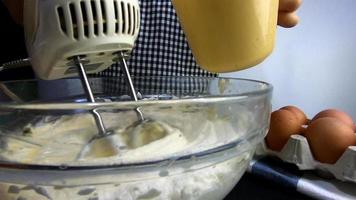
203 134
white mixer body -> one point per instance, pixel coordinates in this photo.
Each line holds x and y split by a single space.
57 30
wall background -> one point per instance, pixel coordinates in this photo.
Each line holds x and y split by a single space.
313 65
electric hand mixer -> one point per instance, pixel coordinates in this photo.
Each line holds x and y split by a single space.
67 38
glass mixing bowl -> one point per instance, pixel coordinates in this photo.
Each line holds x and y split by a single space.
207 132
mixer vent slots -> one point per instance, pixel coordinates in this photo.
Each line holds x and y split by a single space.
90 18
126 18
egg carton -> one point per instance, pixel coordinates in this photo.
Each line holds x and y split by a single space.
297 151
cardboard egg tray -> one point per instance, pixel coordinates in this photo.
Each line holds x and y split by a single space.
297 151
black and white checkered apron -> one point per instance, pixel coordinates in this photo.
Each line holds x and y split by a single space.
161 48
162 53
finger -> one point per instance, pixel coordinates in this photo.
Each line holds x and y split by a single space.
287 19
289 5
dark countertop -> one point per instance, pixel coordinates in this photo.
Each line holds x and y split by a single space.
270 178
252 187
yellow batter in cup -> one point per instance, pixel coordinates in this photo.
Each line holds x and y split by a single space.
228 35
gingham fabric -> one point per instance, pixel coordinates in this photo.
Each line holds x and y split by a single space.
161 85
161 48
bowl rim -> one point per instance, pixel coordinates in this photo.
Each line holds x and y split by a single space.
266 89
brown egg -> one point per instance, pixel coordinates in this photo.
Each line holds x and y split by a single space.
328 139
283 124
298 112
335 114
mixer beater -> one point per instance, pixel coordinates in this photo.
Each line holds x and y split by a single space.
89 94
102 139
